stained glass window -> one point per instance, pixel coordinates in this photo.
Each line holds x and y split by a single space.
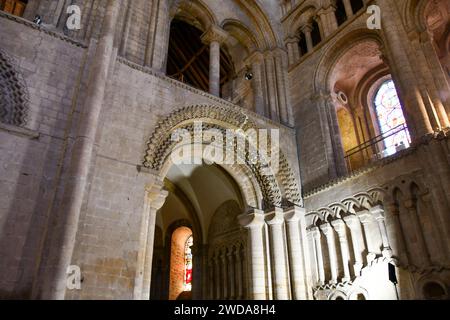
188 264
391 119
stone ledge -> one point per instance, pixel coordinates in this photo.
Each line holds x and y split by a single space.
19 131
51 33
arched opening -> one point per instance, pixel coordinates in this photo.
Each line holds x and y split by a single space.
341 15
390 118
180 275
201 208
369 112
315 33
15 7
434 291
189 58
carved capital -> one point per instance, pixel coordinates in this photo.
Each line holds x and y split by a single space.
377 212
339 226
214 34
294 214
275 218
252 220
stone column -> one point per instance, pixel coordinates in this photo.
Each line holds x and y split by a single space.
126 29
348 8
157 197
271 87
402 70
395 232
224 260
306 29
378 213
254 223
210 271
319 255
367 222
63 241
328 18
214 37
231 274
282 85
357 241
331 243
275 220
217 274
293 50
256 60
296 253
340 228
436 69
239 274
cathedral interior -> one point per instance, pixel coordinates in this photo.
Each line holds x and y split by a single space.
94 207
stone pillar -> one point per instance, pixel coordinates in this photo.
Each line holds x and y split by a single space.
224 260
271 87
256 60
210 271
331 243
402 70
214 37
239 274
296 253
357 241
126 29
340 228
254 223
367 222
275 220
231 274
293 50
436 69
217 274
282 86
378 213
319 255
395 233
328 19
157 197
348 8
306 29
63 241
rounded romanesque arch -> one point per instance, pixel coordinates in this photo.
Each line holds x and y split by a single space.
193 12
336 50
13 95
259 189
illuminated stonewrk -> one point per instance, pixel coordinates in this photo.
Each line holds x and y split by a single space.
112 138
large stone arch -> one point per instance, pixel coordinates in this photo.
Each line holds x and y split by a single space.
194 12
243 34
259 190
413 15
337 49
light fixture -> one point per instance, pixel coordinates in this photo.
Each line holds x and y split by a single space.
248 74
37 20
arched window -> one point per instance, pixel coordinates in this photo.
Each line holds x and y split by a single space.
315 33
15 7
188 264
391 121
341 15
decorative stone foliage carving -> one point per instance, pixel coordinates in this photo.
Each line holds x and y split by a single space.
13 97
